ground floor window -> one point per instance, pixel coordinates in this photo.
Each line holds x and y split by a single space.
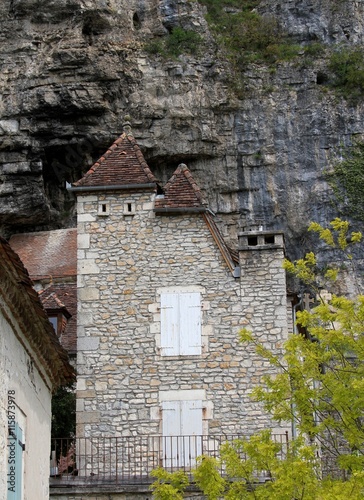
182 432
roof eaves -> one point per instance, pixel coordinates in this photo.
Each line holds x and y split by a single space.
118 187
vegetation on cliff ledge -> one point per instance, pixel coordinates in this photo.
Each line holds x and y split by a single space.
347 181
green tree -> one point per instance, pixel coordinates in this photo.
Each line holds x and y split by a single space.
168 485
319 385
64 412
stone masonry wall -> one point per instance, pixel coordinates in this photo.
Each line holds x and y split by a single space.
124 262
264 305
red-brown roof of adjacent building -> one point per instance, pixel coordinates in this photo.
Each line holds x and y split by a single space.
123 164
19 297
47 254
181 192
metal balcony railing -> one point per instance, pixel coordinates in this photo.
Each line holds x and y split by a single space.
118 460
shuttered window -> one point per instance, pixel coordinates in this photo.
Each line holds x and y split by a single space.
182 432
180 324
15 463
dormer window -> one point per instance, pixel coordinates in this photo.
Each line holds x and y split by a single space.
58 320
54 322
57 312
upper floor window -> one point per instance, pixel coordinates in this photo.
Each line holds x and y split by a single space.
180 324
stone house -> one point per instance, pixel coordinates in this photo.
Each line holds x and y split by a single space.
32 365
161 299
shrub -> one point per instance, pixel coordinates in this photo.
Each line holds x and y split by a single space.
347 65
347 180
182 41
245 35
178 42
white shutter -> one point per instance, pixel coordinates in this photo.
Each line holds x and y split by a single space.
191 429
169 324
190 323
191 418
171 429
171 413
182 432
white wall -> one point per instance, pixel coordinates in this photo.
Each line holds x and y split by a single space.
19 373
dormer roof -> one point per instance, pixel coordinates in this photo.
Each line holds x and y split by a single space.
122 166
64 294
181 193
51 302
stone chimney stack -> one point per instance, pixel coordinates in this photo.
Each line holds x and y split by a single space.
263 285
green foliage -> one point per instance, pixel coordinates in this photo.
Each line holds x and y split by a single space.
347 65
245 35
321 382
337 237
64 412
208 478
314 49
347 180
178 42
183 41
168 485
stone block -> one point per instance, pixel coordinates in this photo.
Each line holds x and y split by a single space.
86 217
83 241
88 198
88 343
84 319
87 417
88 266
88 294
81 384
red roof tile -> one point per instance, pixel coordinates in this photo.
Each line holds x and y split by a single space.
47 254
51 301
123 164
181 191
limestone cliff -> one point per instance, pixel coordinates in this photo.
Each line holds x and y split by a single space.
72 69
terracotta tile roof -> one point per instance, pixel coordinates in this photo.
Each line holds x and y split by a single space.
64 294
50 301
20 298
180 192
47 254
123 164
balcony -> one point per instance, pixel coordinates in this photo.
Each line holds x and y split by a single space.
97 461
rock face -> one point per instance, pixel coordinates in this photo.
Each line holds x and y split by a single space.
72 69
